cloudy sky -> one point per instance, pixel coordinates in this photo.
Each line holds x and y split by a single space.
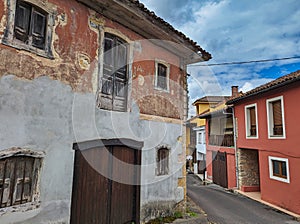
234 31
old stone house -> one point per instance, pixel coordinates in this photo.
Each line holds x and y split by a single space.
92 103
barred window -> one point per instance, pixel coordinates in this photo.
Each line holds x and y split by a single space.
18 179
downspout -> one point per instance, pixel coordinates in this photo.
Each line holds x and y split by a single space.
235 149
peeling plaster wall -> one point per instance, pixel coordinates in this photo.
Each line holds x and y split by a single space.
48 104
67 117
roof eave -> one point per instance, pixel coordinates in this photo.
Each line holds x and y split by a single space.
148 25
236 100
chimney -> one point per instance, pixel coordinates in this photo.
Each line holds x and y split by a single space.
234 91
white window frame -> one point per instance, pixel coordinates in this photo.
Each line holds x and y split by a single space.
157 61
287 179
270 118
247 121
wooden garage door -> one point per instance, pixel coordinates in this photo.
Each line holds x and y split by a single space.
219 167
106 185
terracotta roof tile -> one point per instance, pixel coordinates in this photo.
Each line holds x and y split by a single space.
284 80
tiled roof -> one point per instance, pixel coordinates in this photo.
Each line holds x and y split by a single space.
211 99
282 81
141 6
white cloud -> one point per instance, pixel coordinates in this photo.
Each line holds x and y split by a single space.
236 31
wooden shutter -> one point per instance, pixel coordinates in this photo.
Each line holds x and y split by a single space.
120 76
38 28
162 76
252 121
114 80
277 118
22 21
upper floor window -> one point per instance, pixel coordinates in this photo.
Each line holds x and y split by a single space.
275 113
29 27
251 121
113 95
279 169
162 72
162 161
18 180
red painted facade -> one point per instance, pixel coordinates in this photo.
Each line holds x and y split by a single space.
282 194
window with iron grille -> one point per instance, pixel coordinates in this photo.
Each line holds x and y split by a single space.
251 121
113 95
162 76
275 117
18 180
279 169
162 161
30 27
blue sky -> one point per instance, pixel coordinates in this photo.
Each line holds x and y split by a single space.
235 30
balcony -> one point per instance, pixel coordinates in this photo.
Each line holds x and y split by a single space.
226 140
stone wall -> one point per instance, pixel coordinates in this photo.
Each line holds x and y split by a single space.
248 167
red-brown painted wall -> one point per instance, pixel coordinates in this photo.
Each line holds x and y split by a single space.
72 36
286 195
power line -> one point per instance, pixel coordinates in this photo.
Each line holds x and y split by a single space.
247 62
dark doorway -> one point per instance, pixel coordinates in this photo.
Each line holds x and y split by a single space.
219 167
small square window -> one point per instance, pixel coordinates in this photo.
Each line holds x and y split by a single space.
275 113
279 169
251 121
162 76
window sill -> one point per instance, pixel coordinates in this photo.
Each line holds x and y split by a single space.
20 208
161 89
276 137
251 137
22 46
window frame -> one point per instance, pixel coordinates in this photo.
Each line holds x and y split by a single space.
248 121
270 119
271 170
162 165
9 38
167 65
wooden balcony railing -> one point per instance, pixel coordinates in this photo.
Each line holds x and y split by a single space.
222 140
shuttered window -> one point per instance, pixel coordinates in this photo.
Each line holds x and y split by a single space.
17 180
162 161
114 80
30 25
276 117
251 122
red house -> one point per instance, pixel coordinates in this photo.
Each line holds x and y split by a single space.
268 154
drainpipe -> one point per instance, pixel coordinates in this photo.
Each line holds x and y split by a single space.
235 145
235 149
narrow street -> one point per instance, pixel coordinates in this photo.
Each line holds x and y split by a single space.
224 207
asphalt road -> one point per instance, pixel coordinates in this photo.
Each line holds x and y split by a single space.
224 207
